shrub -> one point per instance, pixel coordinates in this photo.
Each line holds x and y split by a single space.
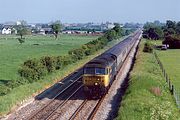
4 89
49 63
67 60
32 70
148 47
59 62
15 83
77 54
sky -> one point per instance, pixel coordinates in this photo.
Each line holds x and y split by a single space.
81 11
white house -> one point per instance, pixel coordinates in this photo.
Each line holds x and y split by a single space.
6 31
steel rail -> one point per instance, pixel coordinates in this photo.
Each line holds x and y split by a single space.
42 108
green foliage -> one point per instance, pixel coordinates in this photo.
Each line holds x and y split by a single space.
22 30
77 54
153 30
178 28
4 90
59 62
110 35
56 26
33 70
49 63
118 30
148 47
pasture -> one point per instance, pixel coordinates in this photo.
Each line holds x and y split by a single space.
13 54
171 62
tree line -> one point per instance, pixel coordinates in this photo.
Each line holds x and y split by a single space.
169 32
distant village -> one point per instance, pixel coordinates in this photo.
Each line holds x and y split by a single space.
45 28
9 28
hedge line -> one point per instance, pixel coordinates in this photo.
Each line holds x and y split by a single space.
34 69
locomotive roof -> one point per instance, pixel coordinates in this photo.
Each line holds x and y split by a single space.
103 60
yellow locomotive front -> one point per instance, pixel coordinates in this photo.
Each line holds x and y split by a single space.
96 81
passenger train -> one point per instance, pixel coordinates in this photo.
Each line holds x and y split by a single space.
100 72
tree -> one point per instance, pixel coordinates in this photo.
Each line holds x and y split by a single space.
56 26
22 31
118 29
153 30
178 28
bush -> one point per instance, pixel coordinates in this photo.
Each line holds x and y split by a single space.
49 63
148 47
32 70
4 89
59 62
15 83
77 54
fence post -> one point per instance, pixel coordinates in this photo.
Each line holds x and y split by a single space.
172 89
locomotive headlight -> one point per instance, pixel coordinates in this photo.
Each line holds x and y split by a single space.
96 83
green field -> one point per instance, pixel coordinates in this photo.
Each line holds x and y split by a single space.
148 96
13 54
171 62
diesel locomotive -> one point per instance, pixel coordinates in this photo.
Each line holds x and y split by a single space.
100 72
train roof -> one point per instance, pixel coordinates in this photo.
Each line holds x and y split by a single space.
103 60
118 49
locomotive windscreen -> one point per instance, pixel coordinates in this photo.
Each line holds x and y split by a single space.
96 71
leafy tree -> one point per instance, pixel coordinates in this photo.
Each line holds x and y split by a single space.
153 30
170 24
118 29
111 34
22 31
178 28
56 26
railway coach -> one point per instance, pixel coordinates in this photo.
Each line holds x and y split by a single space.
100 72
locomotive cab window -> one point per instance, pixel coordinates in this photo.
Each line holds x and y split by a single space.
97 71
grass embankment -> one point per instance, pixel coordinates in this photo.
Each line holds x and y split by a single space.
13 54
147 97
23 92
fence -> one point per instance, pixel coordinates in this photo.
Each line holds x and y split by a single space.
174 91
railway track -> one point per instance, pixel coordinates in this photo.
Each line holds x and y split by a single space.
76 115
58 101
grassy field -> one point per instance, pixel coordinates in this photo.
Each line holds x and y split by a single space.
171 62
13 54
147 97
10 101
